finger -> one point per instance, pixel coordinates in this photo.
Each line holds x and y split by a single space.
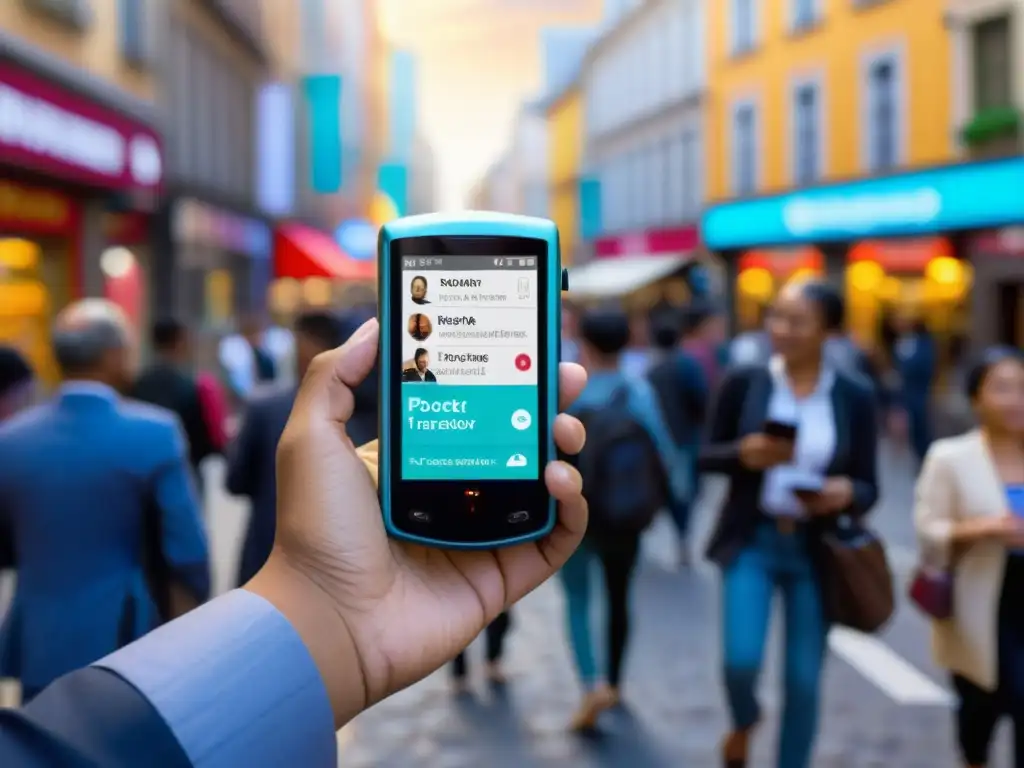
569 434
571 380
566 485
326 390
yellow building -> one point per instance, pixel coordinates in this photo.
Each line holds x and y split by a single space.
564 113
836 53
832 149
91 66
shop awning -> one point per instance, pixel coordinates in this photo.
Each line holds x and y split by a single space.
301 252
608 278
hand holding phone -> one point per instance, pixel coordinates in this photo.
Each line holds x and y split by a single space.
760 451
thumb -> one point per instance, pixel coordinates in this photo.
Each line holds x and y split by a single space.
326 390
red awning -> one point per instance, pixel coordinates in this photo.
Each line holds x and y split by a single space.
301 252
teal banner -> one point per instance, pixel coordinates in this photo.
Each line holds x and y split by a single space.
591 225
323 102
393 181
469 432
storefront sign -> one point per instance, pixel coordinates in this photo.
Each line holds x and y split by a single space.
196 223
56 131
35 211
943 199
651 243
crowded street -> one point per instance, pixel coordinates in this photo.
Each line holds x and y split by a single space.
885 703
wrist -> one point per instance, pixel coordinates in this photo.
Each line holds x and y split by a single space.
322 630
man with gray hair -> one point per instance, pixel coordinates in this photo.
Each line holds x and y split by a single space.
97 496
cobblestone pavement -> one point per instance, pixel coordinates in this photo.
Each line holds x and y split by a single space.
876 713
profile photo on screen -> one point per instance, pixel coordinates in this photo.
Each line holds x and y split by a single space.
420 327
418 289
418 369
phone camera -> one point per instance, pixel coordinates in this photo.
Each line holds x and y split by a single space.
519 517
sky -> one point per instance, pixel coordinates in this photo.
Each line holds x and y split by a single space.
478 60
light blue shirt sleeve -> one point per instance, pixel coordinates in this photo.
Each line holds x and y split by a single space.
235 683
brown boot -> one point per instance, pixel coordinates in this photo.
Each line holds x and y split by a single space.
734 749
594 703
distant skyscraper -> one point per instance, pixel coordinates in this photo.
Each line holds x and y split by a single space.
402 105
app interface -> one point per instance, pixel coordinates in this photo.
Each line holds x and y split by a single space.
469 367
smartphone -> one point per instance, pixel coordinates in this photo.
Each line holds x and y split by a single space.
808 486
780 429
470 314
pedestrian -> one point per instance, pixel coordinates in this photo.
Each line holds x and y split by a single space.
245 360
768 534
626 469
169 383
339 619
679 380
969 514
914 354
17 382
494 636
84 478
252 454
752 347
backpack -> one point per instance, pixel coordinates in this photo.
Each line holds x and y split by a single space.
624 479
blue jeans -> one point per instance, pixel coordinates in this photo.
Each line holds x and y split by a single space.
772 561
617 557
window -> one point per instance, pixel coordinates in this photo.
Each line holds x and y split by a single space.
744 157
805 14
806 133
743 25
992 64
690 172
133 37
883 114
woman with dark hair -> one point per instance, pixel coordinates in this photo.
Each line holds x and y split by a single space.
969 515
797 438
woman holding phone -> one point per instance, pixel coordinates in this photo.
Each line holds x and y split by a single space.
969 514
798 441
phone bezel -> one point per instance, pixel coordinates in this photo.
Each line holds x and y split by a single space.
446 501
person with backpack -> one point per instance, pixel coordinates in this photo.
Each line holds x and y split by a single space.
626 468
679 380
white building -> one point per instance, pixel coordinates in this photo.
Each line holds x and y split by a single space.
528 161
422 177
644 88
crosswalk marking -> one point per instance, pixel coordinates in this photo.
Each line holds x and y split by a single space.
887 670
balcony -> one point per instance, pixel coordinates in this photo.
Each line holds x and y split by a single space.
76 15
994 132
244 19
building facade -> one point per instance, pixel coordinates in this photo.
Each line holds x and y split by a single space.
987 75
837 149
214 244
564 114
644 89
529 160
81 161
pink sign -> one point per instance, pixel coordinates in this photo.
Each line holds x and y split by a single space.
649 243
58 132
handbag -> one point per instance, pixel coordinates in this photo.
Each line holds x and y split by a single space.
931 590
856 580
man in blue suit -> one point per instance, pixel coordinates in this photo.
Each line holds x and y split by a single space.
339 617
84 480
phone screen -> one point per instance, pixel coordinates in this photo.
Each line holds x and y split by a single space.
468 349
469 361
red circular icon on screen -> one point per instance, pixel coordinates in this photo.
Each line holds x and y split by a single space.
523 362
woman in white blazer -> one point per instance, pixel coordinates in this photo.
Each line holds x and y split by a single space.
969 515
